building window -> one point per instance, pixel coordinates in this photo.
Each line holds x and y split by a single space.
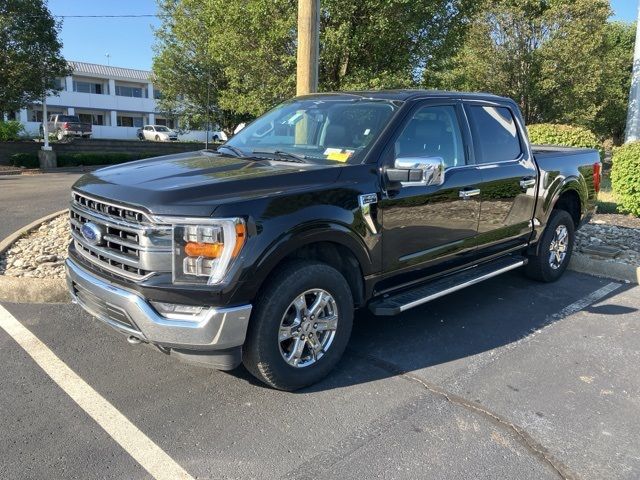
157 94
137 92
35 114
92 118
87 87
167 122
130 121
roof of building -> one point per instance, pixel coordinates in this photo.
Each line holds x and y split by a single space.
84 68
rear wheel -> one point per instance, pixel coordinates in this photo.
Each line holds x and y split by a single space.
554 250
300 327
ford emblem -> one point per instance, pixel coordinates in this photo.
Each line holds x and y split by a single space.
91 233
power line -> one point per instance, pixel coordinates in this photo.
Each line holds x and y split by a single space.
149 15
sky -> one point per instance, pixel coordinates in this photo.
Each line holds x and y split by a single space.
129 41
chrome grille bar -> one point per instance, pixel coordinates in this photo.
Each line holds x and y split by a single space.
129 245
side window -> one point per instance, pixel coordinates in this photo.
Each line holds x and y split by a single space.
432 132
495 134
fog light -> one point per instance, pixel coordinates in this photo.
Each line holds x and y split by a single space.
175 311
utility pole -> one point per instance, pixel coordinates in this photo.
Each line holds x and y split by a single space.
308 46
633 112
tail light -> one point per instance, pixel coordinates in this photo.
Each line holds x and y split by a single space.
597 175
65 125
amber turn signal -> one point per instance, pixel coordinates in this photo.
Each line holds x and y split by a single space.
241 235
208 250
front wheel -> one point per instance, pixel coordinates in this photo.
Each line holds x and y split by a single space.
554 250
300 326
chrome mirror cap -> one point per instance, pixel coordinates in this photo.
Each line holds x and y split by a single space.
417 171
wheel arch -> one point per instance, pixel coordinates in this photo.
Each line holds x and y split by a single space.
337 246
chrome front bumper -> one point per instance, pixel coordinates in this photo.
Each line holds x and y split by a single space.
131 314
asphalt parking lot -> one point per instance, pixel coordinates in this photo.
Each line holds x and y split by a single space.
509 379
26 198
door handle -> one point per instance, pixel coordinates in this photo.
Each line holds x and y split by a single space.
527 182
465 194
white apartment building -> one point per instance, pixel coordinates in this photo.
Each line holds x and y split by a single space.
116 101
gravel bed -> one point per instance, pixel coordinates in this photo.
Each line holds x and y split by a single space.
41 253
611 234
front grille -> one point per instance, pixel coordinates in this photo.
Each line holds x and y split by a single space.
102 309
130 245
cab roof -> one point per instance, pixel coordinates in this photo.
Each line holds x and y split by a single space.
408 94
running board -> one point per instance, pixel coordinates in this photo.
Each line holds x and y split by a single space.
394 304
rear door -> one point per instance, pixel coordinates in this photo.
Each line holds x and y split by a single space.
509 177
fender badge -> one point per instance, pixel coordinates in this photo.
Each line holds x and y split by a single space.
365 201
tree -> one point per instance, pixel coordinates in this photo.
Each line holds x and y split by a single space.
610 121
546 54
248 49
30 54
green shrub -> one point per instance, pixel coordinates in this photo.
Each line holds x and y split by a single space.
564 135
625 177
27 160
10 131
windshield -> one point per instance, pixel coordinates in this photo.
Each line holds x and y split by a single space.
68 118
161 129
321 129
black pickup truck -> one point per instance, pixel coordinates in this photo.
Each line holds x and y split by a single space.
260 251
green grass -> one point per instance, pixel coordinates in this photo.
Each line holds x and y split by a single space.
606 198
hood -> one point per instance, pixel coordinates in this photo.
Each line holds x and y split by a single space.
195 183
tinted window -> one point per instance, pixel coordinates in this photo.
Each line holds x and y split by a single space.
432 132
495 134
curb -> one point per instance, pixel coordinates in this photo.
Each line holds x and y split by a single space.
600 268
31 289
6 243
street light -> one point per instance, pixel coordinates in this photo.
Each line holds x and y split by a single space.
633 112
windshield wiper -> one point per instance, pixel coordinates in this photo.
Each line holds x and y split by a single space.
284 156
237 152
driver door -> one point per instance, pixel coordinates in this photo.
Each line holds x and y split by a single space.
428 229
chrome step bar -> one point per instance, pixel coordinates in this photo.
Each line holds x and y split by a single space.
406 300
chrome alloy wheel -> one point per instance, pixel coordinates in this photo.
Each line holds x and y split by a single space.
559 246
308 327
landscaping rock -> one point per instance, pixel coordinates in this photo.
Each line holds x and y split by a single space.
41 253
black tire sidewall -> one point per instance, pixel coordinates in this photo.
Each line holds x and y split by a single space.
558 217
262 352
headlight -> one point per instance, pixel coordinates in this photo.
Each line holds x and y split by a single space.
203 250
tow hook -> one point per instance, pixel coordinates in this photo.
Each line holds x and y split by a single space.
133 340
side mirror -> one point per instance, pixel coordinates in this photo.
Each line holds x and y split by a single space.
417 171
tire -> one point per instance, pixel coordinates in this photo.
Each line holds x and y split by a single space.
541 267
264 351
141 137
157 138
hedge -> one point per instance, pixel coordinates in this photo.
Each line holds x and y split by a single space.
10 131
30 160
563 135
625 177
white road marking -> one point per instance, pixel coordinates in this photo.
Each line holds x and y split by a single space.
486 358
149 455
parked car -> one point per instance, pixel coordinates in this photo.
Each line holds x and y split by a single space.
218 136
62 126
259 252
158 133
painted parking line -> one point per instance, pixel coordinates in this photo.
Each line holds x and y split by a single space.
149 455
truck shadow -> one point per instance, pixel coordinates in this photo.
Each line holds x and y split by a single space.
436 337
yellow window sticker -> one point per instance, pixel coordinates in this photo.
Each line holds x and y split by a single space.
337 154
